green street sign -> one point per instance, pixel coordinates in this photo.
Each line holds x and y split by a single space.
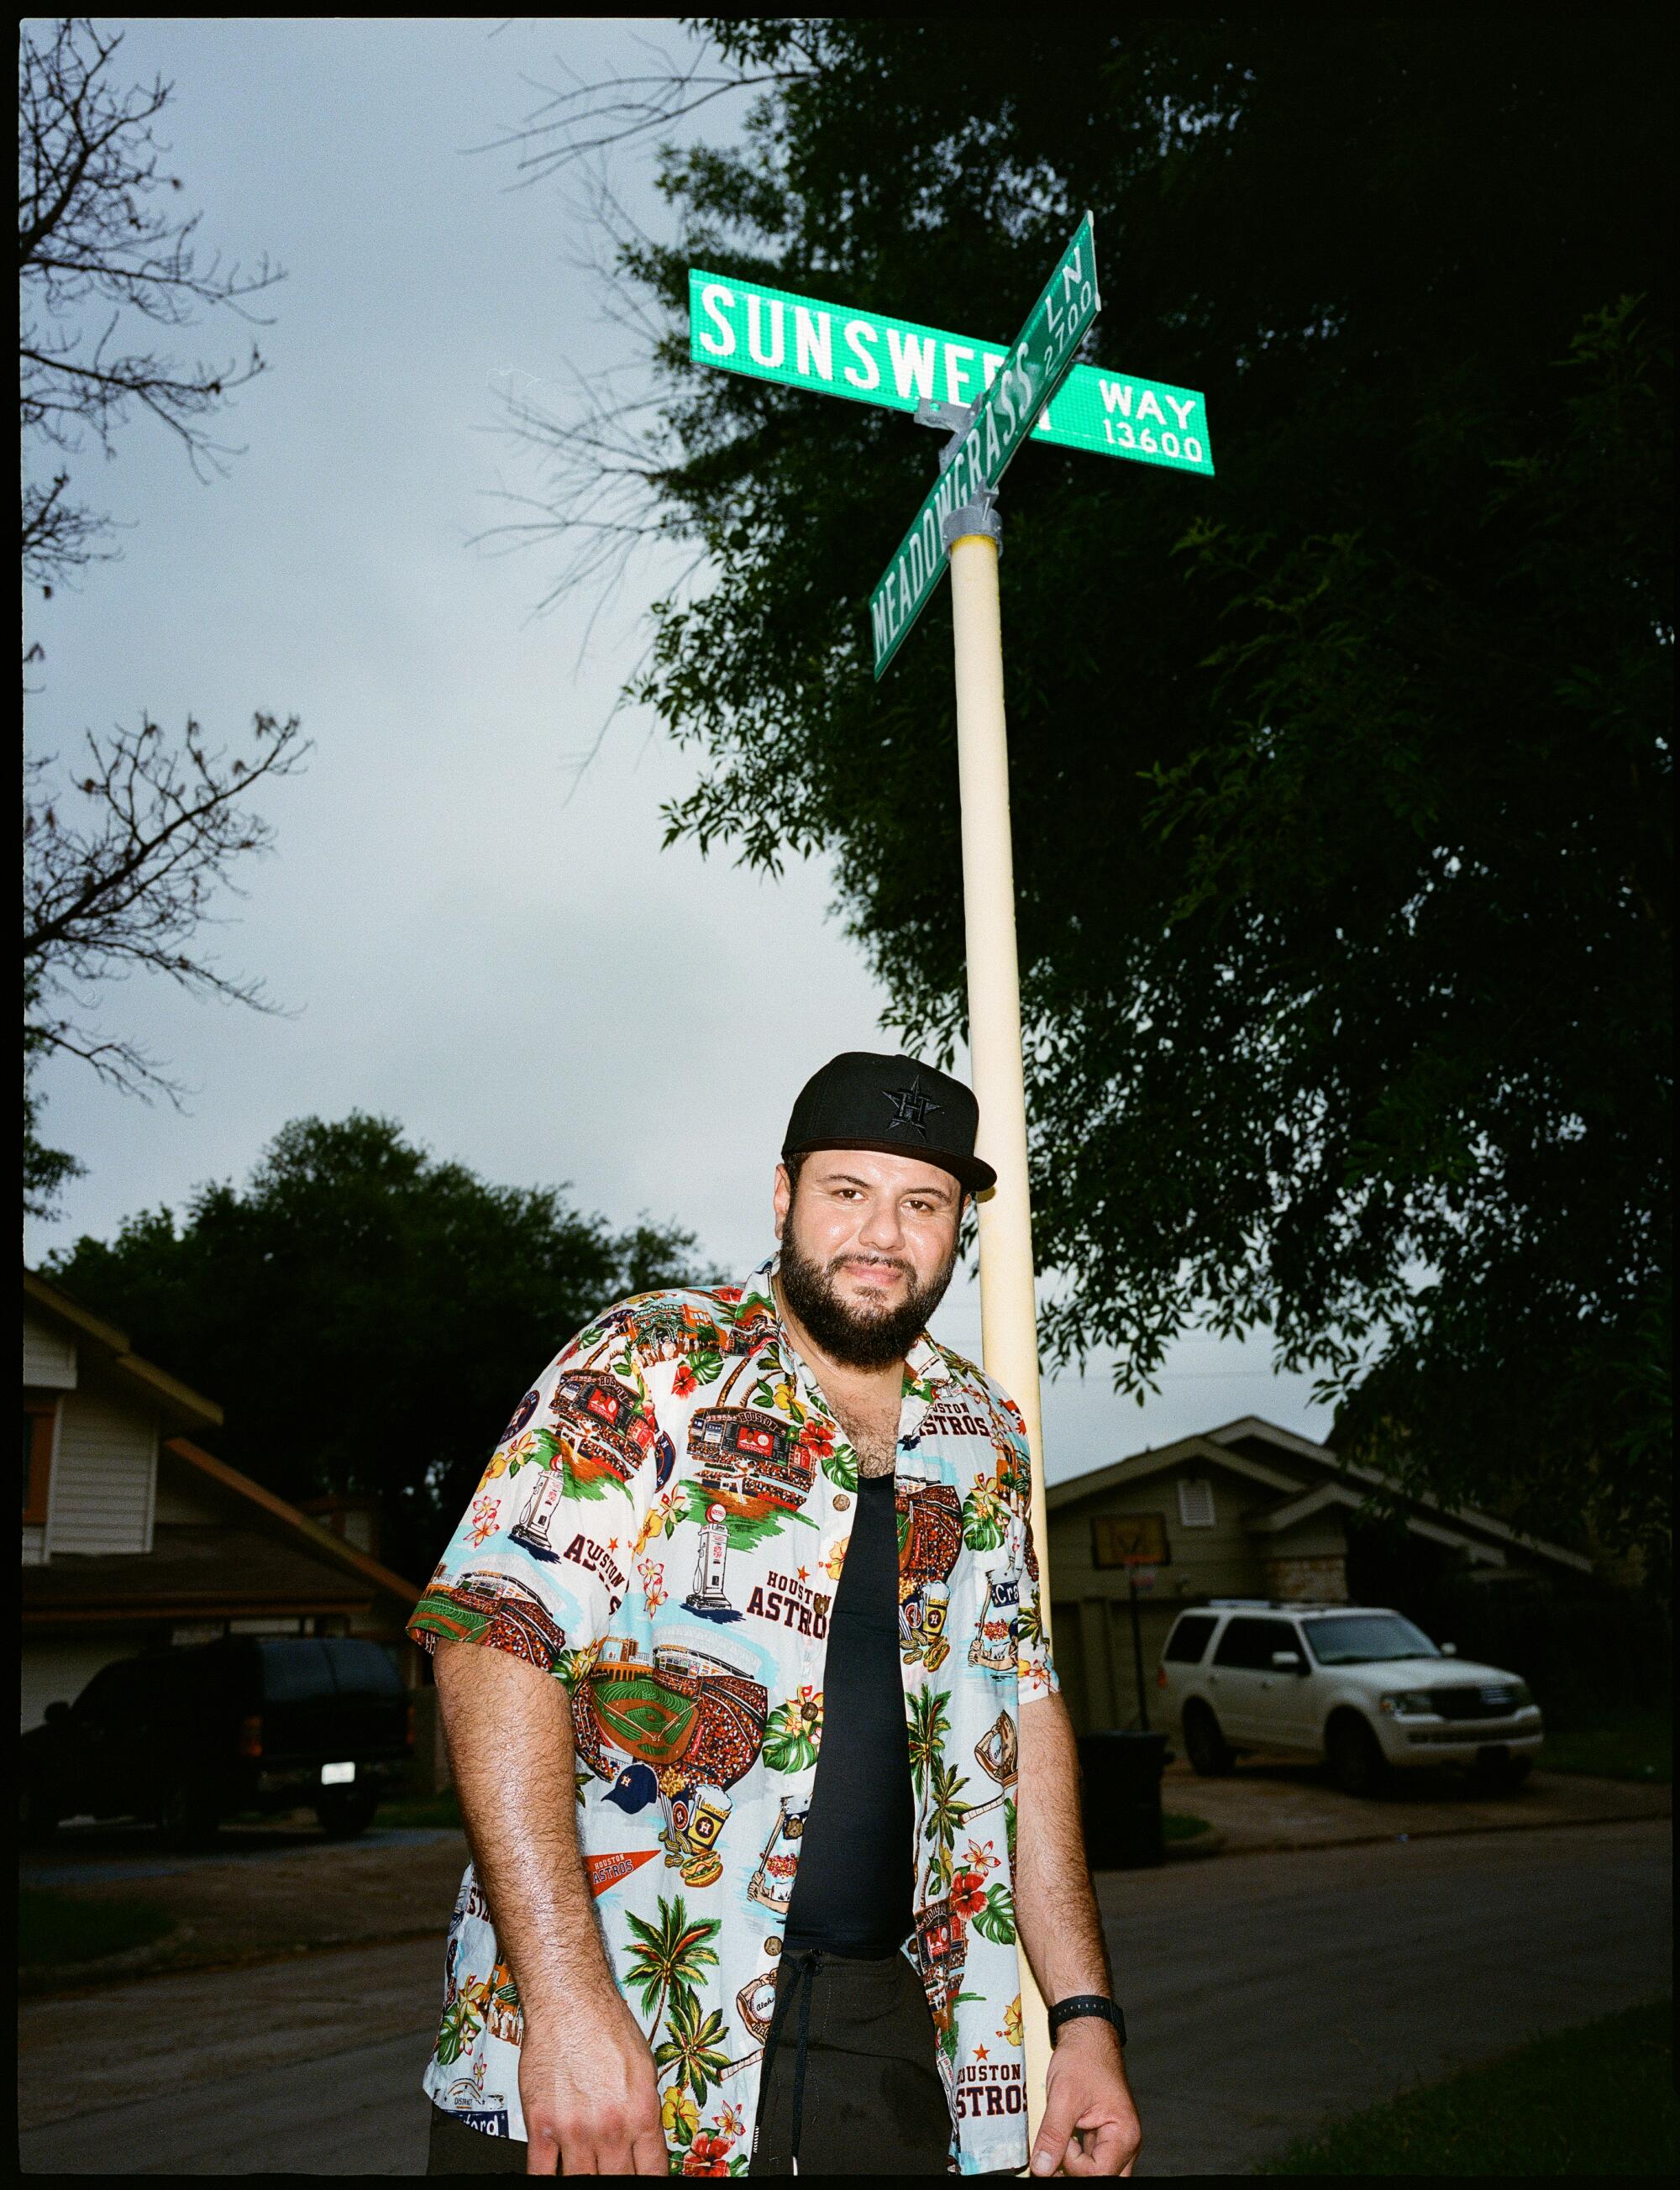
866 357
1001 421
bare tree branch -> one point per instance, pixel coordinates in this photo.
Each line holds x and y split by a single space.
95 250
129 887
587 119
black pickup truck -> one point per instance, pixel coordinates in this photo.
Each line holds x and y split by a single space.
188 1736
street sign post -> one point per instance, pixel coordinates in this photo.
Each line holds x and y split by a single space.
973 466
997 400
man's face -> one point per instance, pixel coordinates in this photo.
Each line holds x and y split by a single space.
868 1244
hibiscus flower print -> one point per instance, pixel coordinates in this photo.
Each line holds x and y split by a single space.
969 1893
684 1380
709 2155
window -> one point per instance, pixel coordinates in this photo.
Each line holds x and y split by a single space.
1247 1644
1126 1539
40 1417
306 1671
362 1668
1195 1501
1189 1639
295 1672
1367 1638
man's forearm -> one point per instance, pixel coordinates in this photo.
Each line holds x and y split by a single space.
509 1733
1054 1905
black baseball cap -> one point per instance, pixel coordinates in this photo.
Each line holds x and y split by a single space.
893 1103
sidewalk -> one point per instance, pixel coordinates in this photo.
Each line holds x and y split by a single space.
1281 1802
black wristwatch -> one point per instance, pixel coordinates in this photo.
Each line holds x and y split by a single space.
1086 2003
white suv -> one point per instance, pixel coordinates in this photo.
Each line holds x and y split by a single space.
1357 1684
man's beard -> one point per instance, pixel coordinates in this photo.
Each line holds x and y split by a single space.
858 1337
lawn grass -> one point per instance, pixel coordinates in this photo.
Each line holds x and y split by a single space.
422 1810
58 1928
1174 1828
1633 1745
1597 2100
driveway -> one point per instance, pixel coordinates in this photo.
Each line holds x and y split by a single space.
1282 1802
1264 1996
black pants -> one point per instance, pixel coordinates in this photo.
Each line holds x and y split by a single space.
852 2056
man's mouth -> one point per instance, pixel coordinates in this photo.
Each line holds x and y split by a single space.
877 1276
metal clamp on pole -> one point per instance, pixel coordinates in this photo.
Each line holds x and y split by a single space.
953 418
980 516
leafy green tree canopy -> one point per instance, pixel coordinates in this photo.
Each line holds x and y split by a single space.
367 1315
1339 781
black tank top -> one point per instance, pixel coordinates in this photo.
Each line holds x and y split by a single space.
853 1892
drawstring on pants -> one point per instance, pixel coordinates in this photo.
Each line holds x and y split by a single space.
802 1986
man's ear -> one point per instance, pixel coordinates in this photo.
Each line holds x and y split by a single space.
782 1200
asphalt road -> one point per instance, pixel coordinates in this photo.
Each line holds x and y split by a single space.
1265 1993
102 1855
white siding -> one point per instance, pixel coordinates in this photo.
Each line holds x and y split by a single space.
103 1475
49 1358
34 1544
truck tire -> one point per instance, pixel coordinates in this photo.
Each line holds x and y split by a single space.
1210 1753
345 1814
1357 1763
186 1815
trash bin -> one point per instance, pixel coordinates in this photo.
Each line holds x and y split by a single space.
1121 1775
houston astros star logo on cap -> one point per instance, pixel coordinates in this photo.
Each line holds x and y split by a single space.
912 1108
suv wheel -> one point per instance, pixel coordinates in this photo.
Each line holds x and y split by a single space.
185 1816
345 1814
1209 1752
1357 1763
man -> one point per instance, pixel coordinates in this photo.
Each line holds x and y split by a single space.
764 1763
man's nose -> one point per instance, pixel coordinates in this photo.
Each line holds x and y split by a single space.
883 1229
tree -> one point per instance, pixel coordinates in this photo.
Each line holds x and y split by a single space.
1339 782
98 252
367 1315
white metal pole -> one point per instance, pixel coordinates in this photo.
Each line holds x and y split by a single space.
1008 1310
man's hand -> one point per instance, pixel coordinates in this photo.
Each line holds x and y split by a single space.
1090 2126
589 2094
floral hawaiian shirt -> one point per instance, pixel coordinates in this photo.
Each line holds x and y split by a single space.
662 1528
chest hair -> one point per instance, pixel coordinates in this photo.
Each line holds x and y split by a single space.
871 1430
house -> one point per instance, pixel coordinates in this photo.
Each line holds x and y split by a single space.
1245 1510
134 1535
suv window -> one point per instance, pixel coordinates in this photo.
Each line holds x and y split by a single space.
1189 1639
295 1671
362 1668
302 1669
1367 1638
1247 1643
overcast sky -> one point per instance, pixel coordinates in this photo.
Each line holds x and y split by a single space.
475 939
